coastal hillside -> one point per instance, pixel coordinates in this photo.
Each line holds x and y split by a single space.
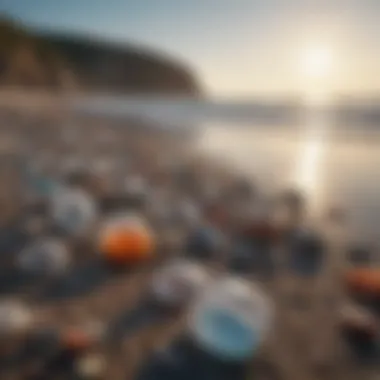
56 62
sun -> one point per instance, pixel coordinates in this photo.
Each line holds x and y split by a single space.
316 62
315 71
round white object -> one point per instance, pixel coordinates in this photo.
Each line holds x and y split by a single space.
73 210
91 366
14 318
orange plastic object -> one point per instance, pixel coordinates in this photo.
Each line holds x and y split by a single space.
363 281
76 340
127 244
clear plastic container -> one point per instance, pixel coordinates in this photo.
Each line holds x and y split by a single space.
231 319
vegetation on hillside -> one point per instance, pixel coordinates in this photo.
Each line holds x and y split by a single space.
71 62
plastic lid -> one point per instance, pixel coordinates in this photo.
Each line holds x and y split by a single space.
231 319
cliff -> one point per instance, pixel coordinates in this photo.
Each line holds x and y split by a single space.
56 62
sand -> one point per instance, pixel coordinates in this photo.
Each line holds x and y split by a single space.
304 343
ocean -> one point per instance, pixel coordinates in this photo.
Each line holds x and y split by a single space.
330 154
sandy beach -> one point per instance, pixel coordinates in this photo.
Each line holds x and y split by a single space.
304 343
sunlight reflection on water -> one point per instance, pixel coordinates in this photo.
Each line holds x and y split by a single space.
331 170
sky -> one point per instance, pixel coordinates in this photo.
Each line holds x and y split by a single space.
237 48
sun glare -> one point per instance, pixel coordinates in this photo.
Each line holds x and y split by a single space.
316 62
315 72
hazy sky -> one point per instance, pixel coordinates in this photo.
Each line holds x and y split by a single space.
237 47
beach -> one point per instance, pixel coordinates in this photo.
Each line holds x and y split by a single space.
298 348
37 127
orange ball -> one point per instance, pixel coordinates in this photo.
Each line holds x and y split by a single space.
127 243
364 281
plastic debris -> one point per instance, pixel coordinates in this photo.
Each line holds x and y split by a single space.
126 239
232 319
47 257
14 318
73 210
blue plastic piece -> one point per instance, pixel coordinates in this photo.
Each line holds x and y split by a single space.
227 335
